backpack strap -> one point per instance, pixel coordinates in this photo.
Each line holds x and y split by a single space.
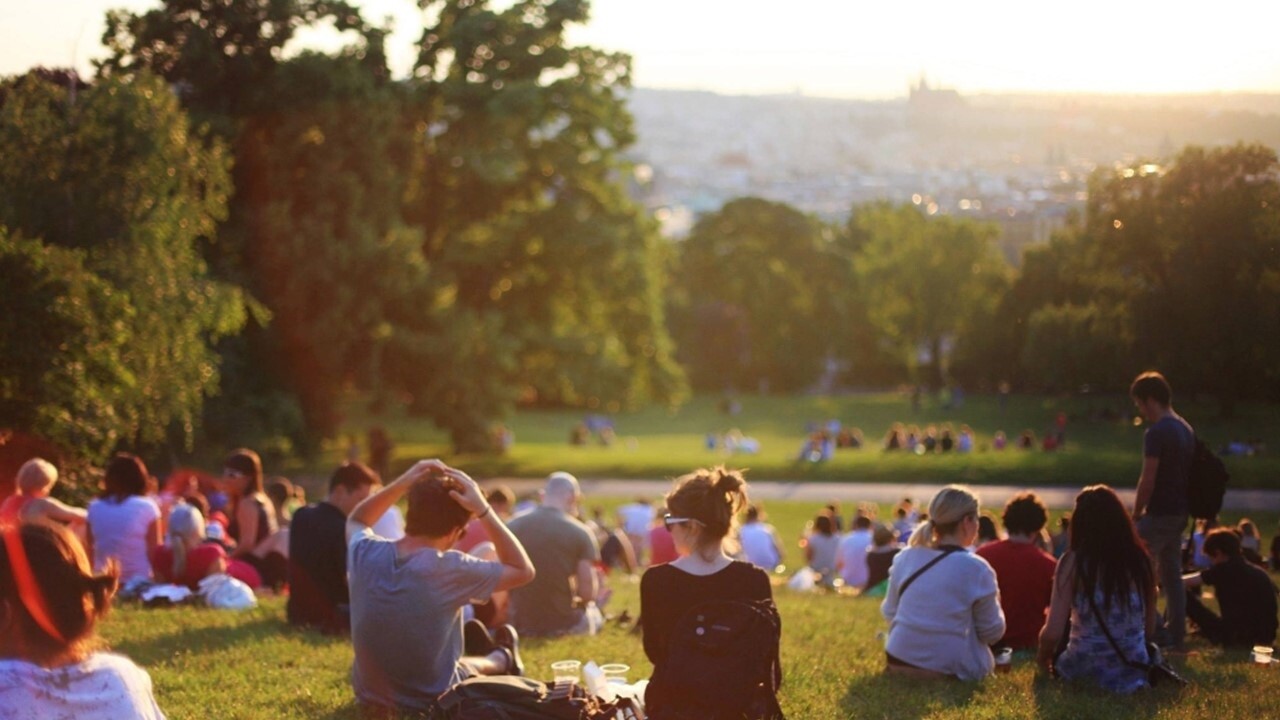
945 552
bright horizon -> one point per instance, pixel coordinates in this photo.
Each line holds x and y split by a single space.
831 48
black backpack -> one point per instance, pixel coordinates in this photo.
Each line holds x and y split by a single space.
1207 481
722 664
506 697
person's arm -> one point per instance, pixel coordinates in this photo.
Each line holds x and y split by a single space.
366 514
1059 611
53 509
1146 485
247 523
517 568
586 581
1192 581
988 618
153 537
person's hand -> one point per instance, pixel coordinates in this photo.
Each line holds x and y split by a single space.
466 492
423 470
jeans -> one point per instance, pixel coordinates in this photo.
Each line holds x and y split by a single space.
1163 536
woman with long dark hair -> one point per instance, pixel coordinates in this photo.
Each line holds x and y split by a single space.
253 518
1104 585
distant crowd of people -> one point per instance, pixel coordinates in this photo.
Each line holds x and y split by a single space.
446 590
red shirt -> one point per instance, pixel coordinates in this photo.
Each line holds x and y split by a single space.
12 507
662 547
1024 573
475 534
199 559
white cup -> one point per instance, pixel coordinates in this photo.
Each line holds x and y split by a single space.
615 673
1262 654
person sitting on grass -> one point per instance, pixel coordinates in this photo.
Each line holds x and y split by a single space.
185 558
759 540
701 513
565 553
821 546
943 604
32 503
318 595
1246 596
884 548
1105 584
124 524
851 558
50 605
407 595
257 540
1023 570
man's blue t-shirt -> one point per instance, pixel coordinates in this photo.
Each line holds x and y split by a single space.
1172 441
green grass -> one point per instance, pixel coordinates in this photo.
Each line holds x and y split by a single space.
251 665
656 442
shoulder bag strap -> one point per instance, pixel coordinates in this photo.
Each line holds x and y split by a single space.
1114 646
922 570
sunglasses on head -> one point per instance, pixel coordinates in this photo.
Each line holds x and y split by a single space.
670 521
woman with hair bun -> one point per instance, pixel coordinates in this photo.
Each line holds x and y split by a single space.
943 604
701 511
50 663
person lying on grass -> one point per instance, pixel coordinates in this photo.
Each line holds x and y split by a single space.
50 604
407 595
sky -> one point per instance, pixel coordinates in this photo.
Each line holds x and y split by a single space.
833 48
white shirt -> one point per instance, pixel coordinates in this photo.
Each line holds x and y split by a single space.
120 532
390 525
103 687
636 518
853 558
759 545
948 616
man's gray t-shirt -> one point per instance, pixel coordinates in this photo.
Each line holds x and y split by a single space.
406 619
1172 441
556 543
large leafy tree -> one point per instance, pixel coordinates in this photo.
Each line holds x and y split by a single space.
119 174
479 249
926 281
758 299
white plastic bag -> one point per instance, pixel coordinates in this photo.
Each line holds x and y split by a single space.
227 593
804 580
595 618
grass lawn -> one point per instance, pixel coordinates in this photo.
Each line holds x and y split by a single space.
655 442
208 663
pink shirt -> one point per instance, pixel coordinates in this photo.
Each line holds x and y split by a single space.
662 547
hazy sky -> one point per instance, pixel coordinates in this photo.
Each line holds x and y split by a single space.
848 48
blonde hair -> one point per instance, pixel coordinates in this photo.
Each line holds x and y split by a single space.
951 505
36 474
186 531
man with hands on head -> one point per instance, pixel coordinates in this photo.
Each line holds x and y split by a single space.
407 595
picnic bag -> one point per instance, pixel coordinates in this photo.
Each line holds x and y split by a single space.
722 664
1206 483
507 697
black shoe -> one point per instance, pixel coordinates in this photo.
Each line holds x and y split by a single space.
508 639
476 639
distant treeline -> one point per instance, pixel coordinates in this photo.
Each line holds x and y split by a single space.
210 244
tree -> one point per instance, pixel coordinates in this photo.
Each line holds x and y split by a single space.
759 301
120 175
64 335
925 280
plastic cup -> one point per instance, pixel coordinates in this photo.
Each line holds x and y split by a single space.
1004 660
1262 654
567 671
615 673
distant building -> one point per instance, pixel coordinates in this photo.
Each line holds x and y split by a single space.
923 99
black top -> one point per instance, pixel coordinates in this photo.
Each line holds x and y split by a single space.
667 593
318 568
1247 598
1173 442
878 564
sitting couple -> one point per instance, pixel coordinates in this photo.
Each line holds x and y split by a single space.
407 595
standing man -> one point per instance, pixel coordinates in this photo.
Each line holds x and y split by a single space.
407 595
565 554
318 596
1160 507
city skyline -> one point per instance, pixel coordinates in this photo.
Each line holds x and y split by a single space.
824 48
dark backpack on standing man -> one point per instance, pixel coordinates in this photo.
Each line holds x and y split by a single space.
1207 480
722 664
